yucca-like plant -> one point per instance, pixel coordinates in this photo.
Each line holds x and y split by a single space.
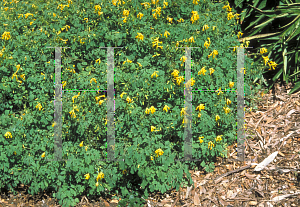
285 43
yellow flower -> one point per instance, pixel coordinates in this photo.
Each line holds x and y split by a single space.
182 111
165 4
124 172
183 59
195 16
114 2
231 84
217 117
152 128
159 152
210 145
166 108
219 138
202 71
263 50
157 12
156 42
191 82
272 64
140 15
152 109
230 16
200 107
123 94
266 59
15 152
39 106
76 96
87 176
81 144
227 7
239 33
86 147
28 14
205 27
211 71
191 39
228 102
166 34
128 99
8 134
214 27
93 79
125 12
199 115
43 155
22 76
227 110
179 79
200 139
100 176
214 53
97 184
219 91
140 36
146 5
170 19
151 158
154 74
195 2
175 73
180 20
207 44
6 35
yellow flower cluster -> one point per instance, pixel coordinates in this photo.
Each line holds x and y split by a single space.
15 74
214 53
152 110
154 74
114 2
8 135
266 59
140 36
157 12
76 96
125 15
39 106
211 145
195 16
205 27
166 108
98 8
207 44
146 5
140 15
73 115
156 42
159 152
219 138
6 35
200 139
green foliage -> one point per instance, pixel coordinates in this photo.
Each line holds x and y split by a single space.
27 107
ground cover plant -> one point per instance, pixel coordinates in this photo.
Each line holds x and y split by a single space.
149 93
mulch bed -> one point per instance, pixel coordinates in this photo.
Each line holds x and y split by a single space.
273 127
